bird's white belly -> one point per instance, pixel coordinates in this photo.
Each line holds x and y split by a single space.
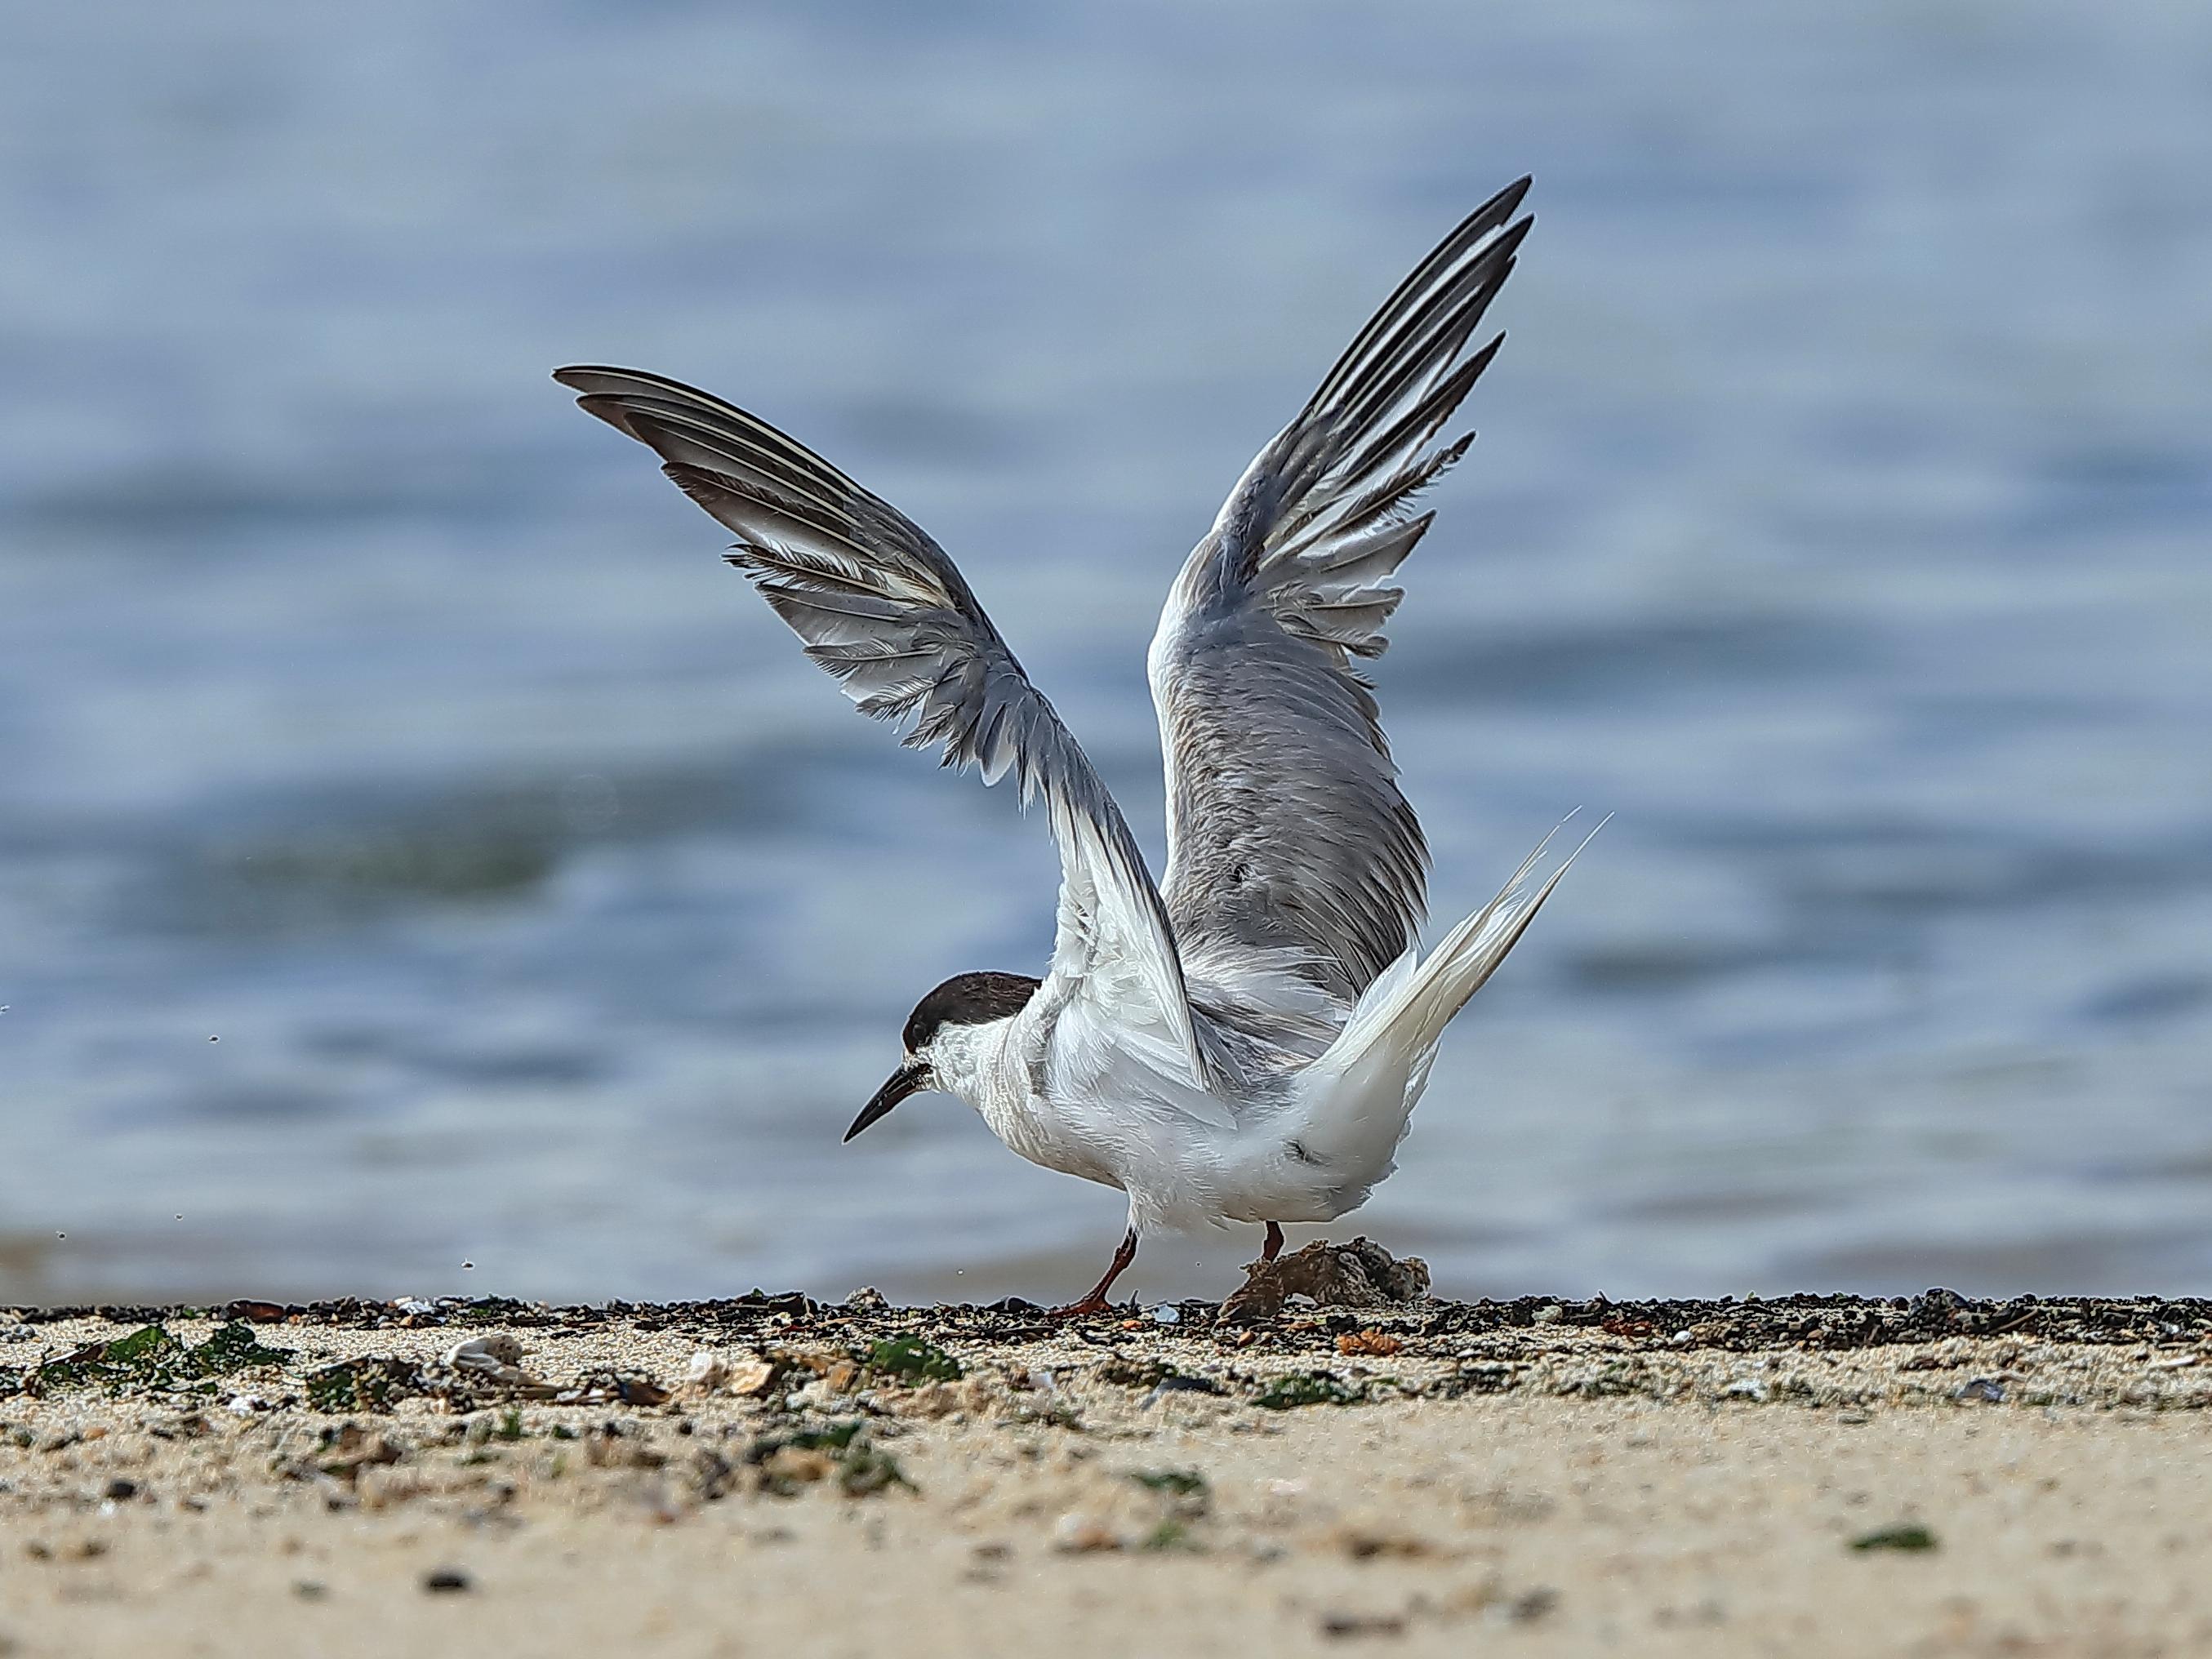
1050 1133
1086 1103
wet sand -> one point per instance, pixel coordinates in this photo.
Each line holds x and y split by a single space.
1805 1476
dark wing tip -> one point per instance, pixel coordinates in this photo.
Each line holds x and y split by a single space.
579 377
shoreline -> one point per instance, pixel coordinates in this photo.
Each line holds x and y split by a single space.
1818 1475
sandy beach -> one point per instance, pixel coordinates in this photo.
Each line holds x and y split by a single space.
1810 1475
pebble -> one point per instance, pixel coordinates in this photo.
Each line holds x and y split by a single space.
797 1463
446 1581
705 1371
750 1377
1338 1626
1076 1534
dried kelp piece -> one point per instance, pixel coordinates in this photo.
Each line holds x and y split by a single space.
1360 1275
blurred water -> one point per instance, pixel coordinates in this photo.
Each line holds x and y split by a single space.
1840 522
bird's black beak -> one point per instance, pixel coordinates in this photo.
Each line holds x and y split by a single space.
909 1079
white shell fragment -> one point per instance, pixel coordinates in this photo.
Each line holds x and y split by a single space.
484 1353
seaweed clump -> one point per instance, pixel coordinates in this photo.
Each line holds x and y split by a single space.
151 1361
1307 1388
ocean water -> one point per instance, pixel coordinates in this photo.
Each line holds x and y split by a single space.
424 867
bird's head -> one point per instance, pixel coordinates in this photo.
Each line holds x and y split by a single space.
944 1039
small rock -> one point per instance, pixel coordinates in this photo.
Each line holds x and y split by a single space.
1984 1388
1527 1609
710 1474
1076 1534
1370 1540
706 1372
935 1399
1911 1538
447 1581
750 1377
1550 1313
1337 1627
797 1464
868 1300
1167 1313
1746 1387
121 1490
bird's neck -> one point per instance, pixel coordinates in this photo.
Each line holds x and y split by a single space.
973 1063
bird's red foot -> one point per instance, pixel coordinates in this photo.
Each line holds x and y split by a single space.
1093 1303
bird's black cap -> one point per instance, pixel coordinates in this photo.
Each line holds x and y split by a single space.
967 1000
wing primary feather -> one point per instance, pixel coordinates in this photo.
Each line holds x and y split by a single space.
1287 831
1470 230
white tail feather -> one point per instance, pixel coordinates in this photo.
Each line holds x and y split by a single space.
1364 1088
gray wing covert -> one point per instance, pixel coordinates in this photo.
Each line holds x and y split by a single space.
1286 830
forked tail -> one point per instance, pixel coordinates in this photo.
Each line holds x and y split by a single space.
1364 1087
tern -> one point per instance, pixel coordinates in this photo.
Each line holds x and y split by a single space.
1245 1041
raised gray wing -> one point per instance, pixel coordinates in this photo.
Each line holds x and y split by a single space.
881 607
1287 830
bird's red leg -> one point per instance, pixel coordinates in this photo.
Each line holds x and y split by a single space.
1273 1247
1096 1302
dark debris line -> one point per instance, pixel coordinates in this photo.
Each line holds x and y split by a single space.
1817 1321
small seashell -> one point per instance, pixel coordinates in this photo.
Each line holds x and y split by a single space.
484 1353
